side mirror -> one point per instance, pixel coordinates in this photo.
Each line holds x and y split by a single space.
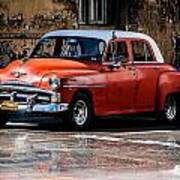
113 65
24 59
115 61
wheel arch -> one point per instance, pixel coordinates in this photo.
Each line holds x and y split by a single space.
88 93
163 98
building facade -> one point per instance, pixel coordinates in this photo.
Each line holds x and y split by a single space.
158 18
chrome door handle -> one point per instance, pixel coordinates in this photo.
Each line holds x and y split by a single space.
131 68
155 68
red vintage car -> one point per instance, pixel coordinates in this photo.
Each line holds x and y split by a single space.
82 74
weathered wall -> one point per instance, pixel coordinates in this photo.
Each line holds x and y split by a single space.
159 20
32 8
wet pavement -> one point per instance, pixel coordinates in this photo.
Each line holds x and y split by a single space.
122 150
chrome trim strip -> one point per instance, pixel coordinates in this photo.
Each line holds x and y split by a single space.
25 89
24 96
84 86
17 83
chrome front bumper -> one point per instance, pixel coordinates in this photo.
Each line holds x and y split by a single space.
30 99
38 108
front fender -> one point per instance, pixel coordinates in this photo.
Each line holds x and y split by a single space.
169 83
95 85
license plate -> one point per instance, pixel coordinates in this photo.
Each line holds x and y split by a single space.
9 106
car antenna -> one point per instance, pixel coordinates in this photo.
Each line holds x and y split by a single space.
114 35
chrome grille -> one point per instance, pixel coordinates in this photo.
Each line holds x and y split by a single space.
24 94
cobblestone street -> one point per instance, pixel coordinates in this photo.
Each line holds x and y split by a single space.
123 150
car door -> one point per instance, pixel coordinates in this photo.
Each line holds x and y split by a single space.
121 81
147 69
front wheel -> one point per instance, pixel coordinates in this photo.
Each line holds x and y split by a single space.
3 120
81 113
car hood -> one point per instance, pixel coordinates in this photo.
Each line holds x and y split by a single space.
33 70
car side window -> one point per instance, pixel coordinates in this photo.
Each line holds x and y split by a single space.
117 50
141 52
46 48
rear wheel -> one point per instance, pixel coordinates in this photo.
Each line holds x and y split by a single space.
170 111
81 113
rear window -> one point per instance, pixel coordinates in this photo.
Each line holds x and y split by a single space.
141 52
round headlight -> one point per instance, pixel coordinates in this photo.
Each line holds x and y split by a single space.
54 83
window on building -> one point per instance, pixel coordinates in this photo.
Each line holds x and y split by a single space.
178 10
83 11
92 11
141 52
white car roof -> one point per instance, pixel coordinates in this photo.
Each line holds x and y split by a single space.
107 35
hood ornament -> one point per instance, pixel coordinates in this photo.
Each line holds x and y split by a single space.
18 74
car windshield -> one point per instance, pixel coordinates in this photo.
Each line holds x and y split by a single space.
70 47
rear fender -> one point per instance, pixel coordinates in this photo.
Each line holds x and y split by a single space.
169 84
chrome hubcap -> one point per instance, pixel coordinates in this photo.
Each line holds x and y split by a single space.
170 109
80 113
